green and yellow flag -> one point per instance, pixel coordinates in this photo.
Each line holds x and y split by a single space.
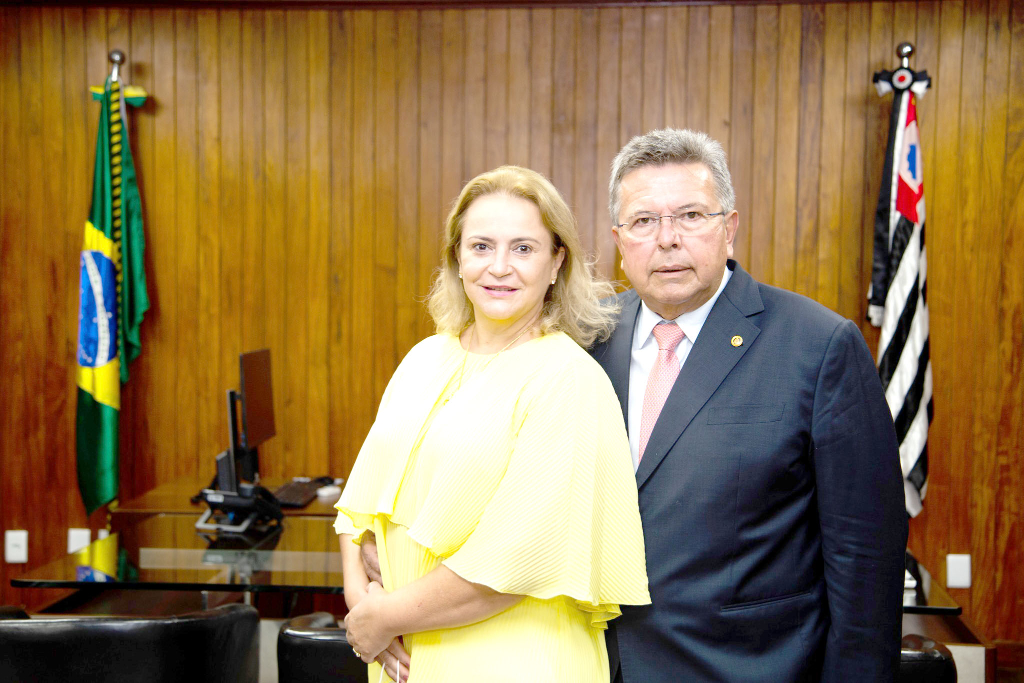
112 297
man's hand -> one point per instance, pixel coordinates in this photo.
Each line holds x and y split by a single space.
393 657
368 554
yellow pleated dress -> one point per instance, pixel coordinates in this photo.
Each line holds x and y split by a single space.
513 470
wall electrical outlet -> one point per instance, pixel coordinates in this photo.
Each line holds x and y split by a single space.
958 571
78 539
16 546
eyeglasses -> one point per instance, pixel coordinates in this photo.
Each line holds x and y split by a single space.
688 222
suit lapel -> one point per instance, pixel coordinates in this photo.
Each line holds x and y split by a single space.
711 359
619 349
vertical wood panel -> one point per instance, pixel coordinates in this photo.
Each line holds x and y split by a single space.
317 419
789 148
296 166
805 272
830 185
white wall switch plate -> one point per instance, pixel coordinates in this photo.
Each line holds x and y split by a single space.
958 571
78 539
16 546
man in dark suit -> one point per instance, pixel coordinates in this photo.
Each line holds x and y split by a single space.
766 460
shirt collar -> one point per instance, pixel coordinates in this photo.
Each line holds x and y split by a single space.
690 323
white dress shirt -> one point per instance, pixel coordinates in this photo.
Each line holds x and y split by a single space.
645 353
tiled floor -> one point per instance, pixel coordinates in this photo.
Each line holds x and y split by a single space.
268 649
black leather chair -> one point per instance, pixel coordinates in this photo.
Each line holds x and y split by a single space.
313 647
220 645
922 660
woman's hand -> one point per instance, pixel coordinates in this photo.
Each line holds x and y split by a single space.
395 661
365 625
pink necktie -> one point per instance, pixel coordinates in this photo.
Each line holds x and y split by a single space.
662 377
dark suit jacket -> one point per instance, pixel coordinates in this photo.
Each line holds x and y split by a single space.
772 502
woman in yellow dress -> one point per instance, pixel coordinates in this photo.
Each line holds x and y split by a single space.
497 479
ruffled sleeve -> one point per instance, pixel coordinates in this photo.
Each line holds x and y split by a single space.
564 518
375 478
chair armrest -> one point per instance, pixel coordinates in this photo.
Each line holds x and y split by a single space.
923 660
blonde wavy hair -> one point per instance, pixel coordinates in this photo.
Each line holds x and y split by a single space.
578 304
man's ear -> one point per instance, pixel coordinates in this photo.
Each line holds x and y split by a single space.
732 223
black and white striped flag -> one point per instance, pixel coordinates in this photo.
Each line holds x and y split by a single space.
897 298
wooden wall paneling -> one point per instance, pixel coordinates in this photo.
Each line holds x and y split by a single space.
765 95
37 280
495 88
57 282
186 322
13 239
612 100
431 203
630 96
137 471
990 75
317 420
697 73
593 118
812 129
211 422
928 531
720 75
944 204
1011 341
229 205
519 66
677 85
741 140
798 111
542 22
277 117
563 142
161 210
967 213
857 225
382 220
294 430
7 19
881 55
343 441
77 190
406 245
453 90
361 257
252 129
831 172
474 146
653 46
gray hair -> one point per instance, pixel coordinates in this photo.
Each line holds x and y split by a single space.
671 146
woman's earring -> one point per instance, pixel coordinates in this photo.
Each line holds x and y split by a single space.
460 274
553 280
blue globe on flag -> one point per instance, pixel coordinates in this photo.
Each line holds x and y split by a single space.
97 313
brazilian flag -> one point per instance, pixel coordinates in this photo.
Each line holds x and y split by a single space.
112 299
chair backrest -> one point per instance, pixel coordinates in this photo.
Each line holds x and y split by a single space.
220 645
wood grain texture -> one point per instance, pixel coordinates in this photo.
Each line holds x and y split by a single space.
296 166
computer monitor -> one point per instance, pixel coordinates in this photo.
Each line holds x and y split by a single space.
255 402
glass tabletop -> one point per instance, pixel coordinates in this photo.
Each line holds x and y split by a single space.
922 594
166 552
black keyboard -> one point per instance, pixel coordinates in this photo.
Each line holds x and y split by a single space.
298 493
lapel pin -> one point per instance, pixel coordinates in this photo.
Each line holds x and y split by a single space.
737 340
